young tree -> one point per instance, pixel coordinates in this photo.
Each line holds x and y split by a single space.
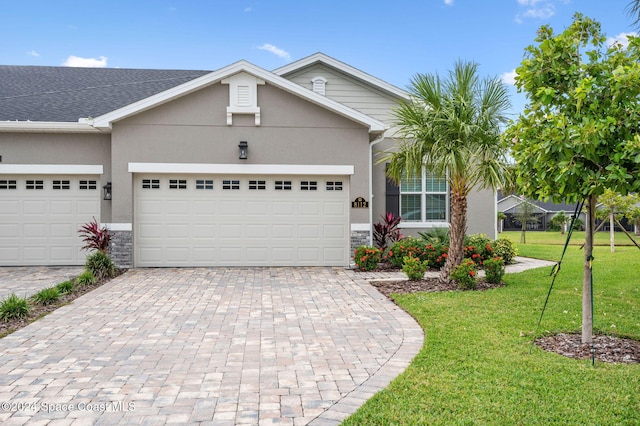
613 208
579 132
525 215
560 220
451 128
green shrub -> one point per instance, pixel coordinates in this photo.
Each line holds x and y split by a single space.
465 274
367 257
504 248
65 287
494 270
434 254
47 296
436 236
86 278
100 266
414 268
14 307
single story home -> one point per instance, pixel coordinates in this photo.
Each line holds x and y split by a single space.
235 167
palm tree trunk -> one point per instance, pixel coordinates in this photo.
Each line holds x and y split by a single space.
457 230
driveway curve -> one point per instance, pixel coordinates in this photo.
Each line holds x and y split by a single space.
208 346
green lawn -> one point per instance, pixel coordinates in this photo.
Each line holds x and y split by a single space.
600 238
478 366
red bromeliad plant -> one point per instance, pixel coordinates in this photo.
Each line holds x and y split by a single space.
94 236
387 232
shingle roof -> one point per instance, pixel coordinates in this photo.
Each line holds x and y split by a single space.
65 94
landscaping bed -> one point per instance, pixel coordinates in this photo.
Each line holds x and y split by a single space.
37 311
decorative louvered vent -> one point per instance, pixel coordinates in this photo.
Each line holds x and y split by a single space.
318 84
243 96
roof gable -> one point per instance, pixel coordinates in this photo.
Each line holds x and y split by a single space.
105 121
341 66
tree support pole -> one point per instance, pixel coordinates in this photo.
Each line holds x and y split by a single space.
587 293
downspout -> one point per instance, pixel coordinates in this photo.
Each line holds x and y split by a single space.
371 145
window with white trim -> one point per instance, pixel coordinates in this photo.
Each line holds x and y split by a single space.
151 183
334 186
283 185
424 198
61 184
204 184
88 184
230 184
35 184
8 184
177 184
308 185
257 184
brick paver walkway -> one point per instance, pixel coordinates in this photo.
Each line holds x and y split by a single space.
217 346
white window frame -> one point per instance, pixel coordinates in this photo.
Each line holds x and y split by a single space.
423 193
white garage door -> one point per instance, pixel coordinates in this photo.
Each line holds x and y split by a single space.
214 220
40 217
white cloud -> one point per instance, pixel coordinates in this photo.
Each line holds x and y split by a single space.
621 38
33 53
537 9
276 51
509 77
448 2
76 61
248 9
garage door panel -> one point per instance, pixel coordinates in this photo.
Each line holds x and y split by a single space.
34 207
62 207
10 255
35 230
9 230
62 253
10 208
309 231
241 227
36 254
307 208
62 230
334 231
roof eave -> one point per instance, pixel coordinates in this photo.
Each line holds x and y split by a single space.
46 127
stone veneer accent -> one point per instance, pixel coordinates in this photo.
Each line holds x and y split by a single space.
121 249
359 238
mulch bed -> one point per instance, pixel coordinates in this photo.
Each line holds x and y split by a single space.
38 311
607 348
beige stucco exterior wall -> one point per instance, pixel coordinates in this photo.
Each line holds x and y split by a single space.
60 148
193 129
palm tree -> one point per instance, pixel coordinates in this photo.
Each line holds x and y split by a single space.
451 127
633 10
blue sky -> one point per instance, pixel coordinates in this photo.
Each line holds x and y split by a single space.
392 40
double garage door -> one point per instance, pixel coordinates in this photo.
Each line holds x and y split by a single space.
40 216
227 220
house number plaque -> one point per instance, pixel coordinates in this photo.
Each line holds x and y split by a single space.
360 203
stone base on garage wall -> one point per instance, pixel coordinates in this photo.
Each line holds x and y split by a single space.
359 238
121 249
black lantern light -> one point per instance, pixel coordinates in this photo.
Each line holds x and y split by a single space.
106 189
244 148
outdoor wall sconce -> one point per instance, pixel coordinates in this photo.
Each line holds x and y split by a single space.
106 189
244 147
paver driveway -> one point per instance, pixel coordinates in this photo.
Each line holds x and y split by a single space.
210 346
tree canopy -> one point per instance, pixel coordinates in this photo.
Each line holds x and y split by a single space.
579 134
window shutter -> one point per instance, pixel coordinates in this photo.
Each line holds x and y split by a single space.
392 197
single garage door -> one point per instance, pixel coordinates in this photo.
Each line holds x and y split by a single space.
221 220
40 216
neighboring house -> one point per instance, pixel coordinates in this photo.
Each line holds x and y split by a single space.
235 167
542 211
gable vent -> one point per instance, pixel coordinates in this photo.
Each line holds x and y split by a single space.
244 96
318 85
